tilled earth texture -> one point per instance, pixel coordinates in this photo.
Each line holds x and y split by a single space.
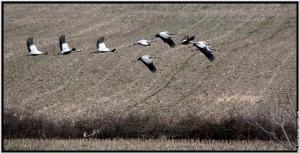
255 67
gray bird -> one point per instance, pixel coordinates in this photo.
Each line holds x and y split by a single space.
205 49
166 37
147 60
144 42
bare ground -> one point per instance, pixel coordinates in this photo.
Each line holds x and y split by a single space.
256 61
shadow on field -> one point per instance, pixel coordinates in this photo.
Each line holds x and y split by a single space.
137 126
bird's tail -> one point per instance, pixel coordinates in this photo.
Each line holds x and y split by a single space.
114 50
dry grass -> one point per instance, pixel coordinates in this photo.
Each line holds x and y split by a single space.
138 144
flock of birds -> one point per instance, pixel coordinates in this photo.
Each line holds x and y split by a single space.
165 36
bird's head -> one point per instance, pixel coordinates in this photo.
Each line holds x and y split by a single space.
157 35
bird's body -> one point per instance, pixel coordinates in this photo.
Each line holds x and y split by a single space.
143 42
63 45
32 49
147 60
205 50
187 40
166 37
101 47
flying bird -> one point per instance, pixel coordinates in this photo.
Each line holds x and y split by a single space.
147 60
205 49
101 47
166 37
187 39
144 42
32 49
64 47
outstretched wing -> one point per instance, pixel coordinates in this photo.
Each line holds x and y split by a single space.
101 44
169 41
207 52
148 62
29 42
187 39
62 39
191 38
99 41
151 66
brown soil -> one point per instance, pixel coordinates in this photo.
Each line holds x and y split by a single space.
256 61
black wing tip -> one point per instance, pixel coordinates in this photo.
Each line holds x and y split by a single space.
29 39
170 42
210 56
192 38
151 67
61 36
62 39
153 70
187 39
100 39
29 42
